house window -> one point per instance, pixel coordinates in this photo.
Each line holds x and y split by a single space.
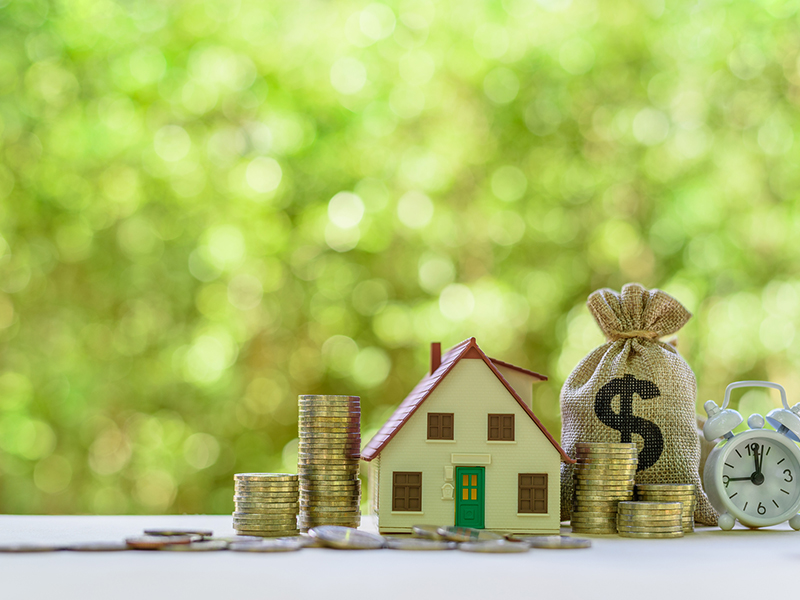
532 493
406 491
501 428
440 426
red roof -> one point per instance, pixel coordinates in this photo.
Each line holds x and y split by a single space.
503 363
466 349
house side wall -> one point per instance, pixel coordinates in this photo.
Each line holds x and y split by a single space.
471 392
522 383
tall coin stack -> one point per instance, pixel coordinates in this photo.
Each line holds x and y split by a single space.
650 519
328 461
671 492
604 475
266 504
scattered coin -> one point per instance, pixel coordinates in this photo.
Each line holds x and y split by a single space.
468 534
200 533
494 547
420 544
233 539
428 532
97 547
278 545
156 542
204 546
555 542
346 538
19 548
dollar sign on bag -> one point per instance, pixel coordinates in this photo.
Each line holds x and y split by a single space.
625 421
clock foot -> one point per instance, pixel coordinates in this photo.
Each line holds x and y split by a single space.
726 522
794 522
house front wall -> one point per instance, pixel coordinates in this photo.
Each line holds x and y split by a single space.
471 392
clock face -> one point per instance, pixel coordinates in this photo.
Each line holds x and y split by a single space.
761 477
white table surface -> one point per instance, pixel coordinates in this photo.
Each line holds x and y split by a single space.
707 564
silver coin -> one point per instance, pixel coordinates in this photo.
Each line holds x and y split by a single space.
20 548
204 546
555 542
420 544
200 533
494 547
232 539
276 545
97 547
467 534
346 538
156 542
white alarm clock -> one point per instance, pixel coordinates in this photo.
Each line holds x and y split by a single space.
754 476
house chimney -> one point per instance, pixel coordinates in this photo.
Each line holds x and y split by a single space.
436 355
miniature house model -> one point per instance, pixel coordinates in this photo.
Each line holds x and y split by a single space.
464 448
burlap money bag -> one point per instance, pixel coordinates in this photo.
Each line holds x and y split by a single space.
636 388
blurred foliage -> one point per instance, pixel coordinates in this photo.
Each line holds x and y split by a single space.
208 208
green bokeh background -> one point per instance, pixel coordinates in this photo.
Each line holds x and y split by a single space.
208 208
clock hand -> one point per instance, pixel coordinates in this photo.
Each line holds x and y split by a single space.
754 448
740 478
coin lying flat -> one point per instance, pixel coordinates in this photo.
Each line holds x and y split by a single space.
346 538
494 547
420 544
233 539
277 545
631 534
554 542
204 546
20 548
428 532
201 533
266 477
97 547
156 542
467 534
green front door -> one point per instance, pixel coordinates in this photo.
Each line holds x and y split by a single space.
469 497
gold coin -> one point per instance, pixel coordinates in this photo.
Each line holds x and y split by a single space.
603 494
593 519
649 518
646 529
659 487
610 445
634 534
636 505
265 477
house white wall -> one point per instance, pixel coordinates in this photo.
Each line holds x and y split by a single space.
471 392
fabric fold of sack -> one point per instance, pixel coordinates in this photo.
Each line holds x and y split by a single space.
636 388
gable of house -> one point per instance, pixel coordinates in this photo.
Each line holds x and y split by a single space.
468 349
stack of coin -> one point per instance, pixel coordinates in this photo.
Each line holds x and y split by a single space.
604 475
650 519
266 504
671 492
328 461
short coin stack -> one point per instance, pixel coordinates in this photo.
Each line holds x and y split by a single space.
650 519
671 492
328 461
604 475
266 504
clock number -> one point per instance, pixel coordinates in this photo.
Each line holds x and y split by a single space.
788 474
726 480
762 509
